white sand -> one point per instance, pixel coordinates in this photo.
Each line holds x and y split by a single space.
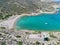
11 21
9 24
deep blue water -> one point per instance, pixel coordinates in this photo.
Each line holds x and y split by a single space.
40 22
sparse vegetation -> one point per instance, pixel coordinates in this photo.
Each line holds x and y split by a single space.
18 36
27 32
53 36
19 43
2 27
37 42
2 17
13 7
3 43
58 42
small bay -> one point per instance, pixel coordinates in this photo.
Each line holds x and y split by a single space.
42 22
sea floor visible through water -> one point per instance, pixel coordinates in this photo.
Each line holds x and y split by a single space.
44 22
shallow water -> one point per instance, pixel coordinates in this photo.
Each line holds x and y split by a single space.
40 22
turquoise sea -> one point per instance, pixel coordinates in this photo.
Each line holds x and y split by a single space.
42 22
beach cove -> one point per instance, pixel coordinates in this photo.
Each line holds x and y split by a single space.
44 22
33 21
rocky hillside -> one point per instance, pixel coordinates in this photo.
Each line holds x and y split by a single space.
13 7
22 6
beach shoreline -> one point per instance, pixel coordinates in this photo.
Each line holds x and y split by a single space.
11 22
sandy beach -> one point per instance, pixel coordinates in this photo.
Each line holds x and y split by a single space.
10 23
